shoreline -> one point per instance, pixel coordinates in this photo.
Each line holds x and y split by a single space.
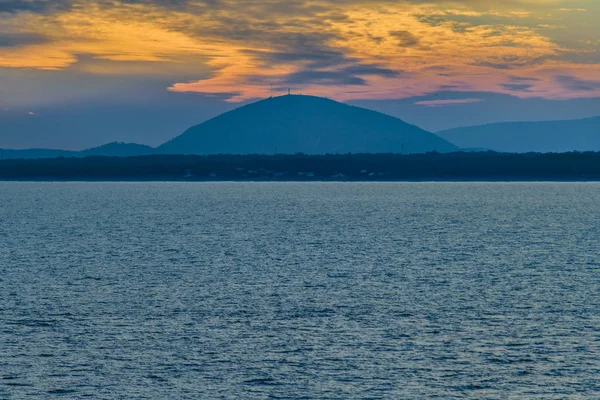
449 180
428 167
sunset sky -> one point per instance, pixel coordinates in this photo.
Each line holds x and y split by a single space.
67 57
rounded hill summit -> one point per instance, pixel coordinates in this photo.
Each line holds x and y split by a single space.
304 124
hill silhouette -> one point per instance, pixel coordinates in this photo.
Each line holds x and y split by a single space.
116 149
10 154
113 149
304 124
523 137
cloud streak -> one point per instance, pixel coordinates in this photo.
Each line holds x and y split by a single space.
445 103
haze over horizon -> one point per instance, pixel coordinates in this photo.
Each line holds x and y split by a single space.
81 73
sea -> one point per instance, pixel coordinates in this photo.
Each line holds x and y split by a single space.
300 290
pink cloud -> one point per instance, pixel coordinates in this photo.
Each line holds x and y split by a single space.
442 103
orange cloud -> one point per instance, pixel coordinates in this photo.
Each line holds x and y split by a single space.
342 49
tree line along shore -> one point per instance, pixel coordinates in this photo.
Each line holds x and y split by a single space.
301 167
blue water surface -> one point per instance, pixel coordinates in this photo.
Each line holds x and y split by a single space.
300 290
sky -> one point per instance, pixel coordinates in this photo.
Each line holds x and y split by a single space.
78 73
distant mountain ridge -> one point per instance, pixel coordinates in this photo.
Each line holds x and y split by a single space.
314 125
117 149
114 149
356 130
523 137
304 124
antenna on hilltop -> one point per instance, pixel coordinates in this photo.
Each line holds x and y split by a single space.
289 91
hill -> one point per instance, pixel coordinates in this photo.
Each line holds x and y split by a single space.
9 154
522 137
116 149
303 124
108 150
